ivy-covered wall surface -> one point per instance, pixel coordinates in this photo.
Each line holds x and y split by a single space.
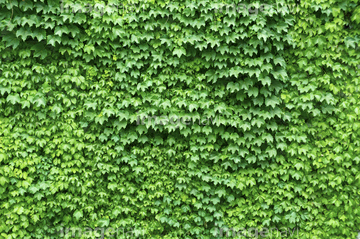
179 119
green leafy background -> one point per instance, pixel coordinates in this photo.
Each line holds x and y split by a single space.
283 86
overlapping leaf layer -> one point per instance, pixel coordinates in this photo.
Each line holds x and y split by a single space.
272 94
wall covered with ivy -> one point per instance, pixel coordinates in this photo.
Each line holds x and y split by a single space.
180 119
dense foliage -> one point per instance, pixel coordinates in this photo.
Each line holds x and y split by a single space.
279 85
